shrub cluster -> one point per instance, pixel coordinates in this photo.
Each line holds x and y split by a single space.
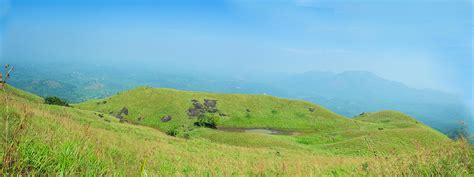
207 120
181 131
53 100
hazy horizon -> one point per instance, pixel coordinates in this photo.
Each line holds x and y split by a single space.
421 44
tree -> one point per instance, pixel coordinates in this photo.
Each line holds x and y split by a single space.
53 100
208 120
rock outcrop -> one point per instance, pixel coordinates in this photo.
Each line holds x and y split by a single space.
122 112
209 106
166 118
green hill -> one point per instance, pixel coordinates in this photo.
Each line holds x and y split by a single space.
307 139
237 110
317 128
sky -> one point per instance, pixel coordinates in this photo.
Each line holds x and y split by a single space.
424 44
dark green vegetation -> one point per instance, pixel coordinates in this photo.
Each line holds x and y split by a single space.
53 100
90 139
347 94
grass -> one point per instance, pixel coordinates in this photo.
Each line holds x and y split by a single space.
73 141
153 104
323 129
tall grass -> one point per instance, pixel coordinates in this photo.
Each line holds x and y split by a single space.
453 159
13 127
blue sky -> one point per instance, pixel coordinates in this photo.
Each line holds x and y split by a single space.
424 44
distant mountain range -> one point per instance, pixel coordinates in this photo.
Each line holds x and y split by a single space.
354 92
349 93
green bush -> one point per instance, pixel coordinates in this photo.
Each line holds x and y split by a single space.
207 120
172 131
53 100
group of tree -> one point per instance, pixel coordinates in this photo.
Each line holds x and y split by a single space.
54 100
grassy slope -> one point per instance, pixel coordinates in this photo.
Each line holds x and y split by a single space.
68 140
325 130
20 95
265 111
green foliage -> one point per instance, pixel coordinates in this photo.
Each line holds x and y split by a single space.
274 111
172 131
53 100
207 120
186 132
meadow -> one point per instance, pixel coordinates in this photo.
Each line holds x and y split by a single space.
89 139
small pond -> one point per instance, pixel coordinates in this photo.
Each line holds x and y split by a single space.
266 131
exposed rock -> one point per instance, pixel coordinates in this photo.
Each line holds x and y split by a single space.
210 105
198 105
124 111
119 116
166 118
195 112
311 109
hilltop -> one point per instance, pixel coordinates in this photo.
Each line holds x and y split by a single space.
101 137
